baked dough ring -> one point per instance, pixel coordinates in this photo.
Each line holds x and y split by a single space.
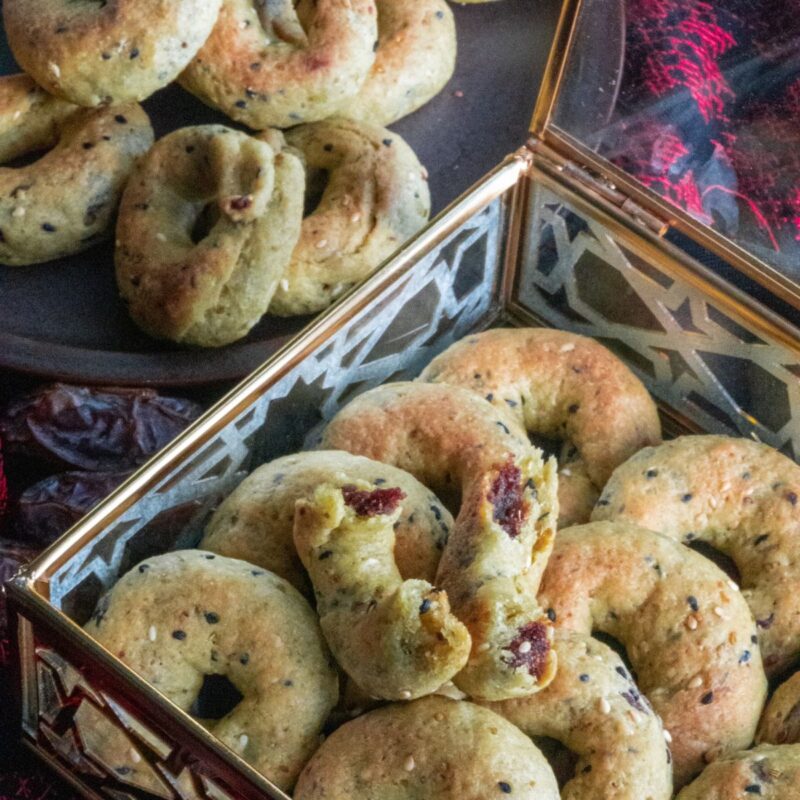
110 52
65 201
431 749
376 197
780 722
255 522
564 386
415 58
451 439
269 64
690 637
742 498
396 639
178 617
207 288
766 772
594 708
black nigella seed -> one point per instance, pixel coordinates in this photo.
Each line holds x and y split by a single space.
440 15
686 498
551 614
692 601
379 481
504 787
288 683
436 511
425 606
190 148
584 678
328 148
256 572
88 145
106 56
48 227
120 119
144 567
761 539
745 657
511 403
179 635
603 502
122 770
791 497
211 617
754 639
621 671
387 142
325 554
134 53
753 788
241 104
651 473
573 409
490 397
210 557
244 659
504 428
587 769
707 698
375 47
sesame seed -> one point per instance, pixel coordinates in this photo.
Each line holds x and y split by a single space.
566 348
135 757
17 115
55 69
243 740
284 284
733 586
483 647
707 698
409 764
438 716
152 633
718 611
605 706
424 174
161 237
18 212
566 472
667 736
696 682
691 623
525 647
405 694
322 243
458 93
355 217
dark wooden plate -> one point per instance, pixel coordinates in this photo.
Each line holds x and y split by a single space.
64 319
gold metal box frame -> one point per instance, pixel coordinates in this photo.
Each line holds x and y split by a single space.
538 241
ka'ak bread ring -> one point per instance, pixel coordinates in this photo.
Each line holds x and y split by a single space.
206 229
415 58
65 201
255 522
273 64
780 722
453 440
105 53
431 749
179 617
396 639
376 197
690 636
564 386
737 495
767 772
594 708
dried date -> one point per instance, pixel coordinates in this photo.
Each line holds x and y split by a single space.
100 430
50 507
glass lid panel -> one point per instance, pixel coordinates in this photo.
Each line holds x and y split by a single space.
703 110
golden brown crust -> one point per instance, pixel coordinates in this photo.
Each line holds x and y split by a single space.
431 749
65 201
178 617
559 385
376 197
453 440
106 53
263 68
690 636
772 773
780 722
594 708
255 521
415 58
208 288
743 498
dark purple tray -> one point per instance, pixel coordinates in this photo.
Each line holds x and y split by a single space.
64 319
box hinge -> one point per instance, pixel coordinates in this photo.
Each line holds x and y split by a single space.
598 186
